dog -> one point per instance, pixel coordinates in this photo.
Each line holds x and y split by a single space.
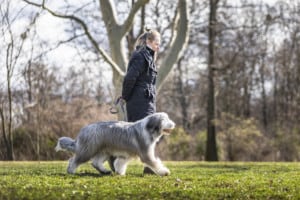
120 139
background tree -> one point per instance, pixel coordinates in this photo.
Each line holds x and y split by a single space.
211 145
13 48
255 76
116 32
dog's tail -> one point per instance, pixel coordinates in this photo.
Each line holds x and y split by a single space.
65 144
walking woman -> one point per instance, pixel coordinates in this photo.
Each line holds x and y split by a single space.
139 85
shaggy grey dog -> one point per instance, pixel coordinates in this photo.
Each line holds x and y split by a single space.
123 140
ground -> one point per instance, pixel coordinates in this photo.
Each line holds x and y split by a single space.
188 180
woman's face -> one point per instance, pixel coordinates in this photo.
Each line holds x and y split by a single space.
154 45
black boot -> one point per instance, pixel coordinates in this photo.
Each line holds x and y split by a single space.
111 161
148 170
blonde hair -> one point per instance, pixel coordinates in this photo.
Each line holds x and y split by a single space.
149 34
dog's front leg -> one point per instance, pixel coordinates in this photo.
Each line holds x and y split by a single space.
156 165
160 168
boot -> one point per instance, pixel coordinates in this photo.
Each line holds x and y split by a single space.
148 170
111 161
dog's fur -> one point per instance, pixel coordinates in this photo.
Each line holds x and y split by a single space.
123 140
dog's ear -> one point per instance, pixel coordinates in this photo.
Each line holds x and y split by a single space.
154 124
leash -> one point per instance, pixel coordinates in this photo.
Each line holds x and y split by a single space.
114 108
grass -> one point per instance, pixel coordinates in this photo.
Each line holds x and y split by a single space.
188 180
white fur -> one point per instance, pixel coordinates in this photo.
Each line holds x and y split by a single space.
123 140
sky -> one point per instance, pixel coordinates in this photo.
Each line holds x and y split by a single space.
49 29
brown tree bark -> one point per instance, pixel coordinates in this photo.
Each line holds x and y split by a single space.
211 144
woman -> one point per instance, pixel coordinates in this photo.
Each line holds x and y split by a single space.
139 89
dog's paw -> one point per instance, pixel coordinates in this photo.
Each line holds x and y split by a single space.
70 170
121 173
164 171
71 167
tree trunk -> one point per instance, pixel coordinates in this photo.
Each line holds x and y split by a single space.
263 95
178 44
10 147
182 98
211 146
8 155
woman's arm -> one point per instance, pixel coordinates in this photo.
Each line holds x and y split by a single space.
136 67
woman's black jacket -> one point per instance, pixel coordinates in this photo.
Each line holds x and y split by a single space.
139 89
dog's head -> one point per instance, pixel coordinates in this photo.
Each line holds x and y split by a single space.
159 123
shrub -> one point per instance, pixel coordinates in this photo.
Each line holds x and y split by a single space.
239 139
182 146
287 144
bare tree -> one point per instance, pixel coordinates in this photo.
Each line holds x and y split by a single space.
116 33
183 101
13 49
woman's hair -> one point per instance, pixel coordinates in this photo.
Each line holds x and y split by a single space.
149 34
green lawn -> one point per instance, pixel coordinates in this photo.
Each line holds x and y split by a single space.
188 180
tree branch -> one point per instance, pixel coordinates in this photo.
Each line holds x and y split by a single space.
128 23
105 56
181 36
108 13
